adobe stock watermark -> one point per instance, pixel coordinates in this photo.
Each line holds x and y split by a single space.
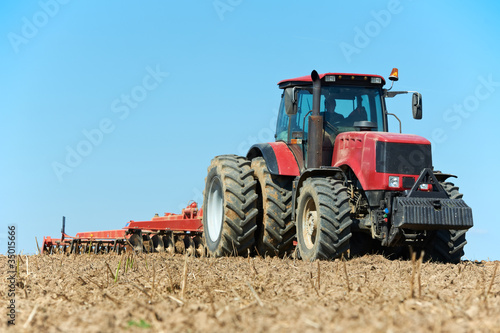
121 107
31 26
223 6
11 274
456 114
363 36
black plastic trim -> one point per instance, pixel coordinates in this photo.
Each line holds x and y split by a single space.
266 151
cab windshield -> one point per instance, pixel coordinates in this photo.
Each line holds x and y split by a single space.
340 106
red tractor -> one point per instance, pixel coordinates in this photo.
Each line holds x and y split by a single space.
335 181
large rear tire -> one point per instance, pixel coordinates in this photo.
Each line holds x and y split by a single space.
275 229
448 245
229 206
323 219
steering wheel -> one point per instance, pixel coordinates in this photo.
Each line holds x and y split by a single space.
331 127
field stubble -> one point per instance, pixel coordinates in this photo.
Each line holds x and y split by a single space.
165 293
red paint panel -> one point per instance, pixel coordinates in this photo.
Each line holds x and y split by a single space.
287 165
167 224
307 78
358 151
106 234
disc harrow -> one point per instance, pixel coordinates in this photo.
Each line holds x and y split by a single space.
171 233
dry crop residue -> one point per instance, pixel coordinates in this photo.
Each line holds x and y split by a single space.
155 293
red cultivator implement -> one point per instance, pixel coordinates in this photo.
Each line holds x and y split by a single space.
171 233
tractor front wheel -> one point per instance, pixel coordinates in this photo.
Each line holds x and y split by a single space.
323 219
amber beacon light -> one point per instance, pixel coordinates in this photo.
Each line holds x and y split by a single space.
394 75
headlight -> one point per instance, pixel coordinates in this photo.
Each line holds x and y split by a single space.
394 181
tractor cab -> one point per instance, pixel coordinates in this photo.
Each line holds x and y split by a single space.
348 102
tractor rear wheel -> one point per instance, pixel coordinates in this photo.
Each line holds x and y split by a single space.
448 245
229 206
323 219
275 229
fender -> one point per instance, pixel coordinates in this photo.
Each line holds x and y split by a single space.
323 171
443 176
279 158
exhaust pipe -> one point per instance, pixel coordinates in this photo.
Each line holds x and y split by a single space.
315 140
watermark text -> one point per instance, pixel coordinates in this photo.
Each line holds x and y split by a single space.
223 6
122 107
11 274
31 26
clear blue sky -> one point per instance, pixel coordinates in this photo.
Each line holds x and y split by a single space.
146 93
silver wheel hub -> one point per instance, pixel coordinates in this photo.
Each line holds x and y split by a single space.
311 223
215 209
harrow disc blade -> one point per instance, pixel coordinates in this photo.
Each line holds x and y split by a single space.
136 241
200 246
118 247
168 242
72 247
97 248
147 243
189 245
180 246
158 245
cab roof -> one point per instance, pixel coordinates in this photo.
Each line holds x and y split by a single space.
340 78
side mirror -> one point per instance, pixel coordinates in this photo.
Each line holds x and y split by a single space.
416 105
290 101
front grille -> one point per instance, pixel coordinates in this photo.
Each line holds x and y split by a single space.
403 158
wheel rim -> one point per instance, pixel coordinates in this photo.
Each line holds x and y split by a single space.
215 209
309 223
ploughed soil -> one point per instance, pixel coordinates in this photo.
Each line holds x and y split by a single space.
174 293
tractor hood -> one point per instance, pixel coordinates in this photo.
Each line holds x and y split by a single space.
374 156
